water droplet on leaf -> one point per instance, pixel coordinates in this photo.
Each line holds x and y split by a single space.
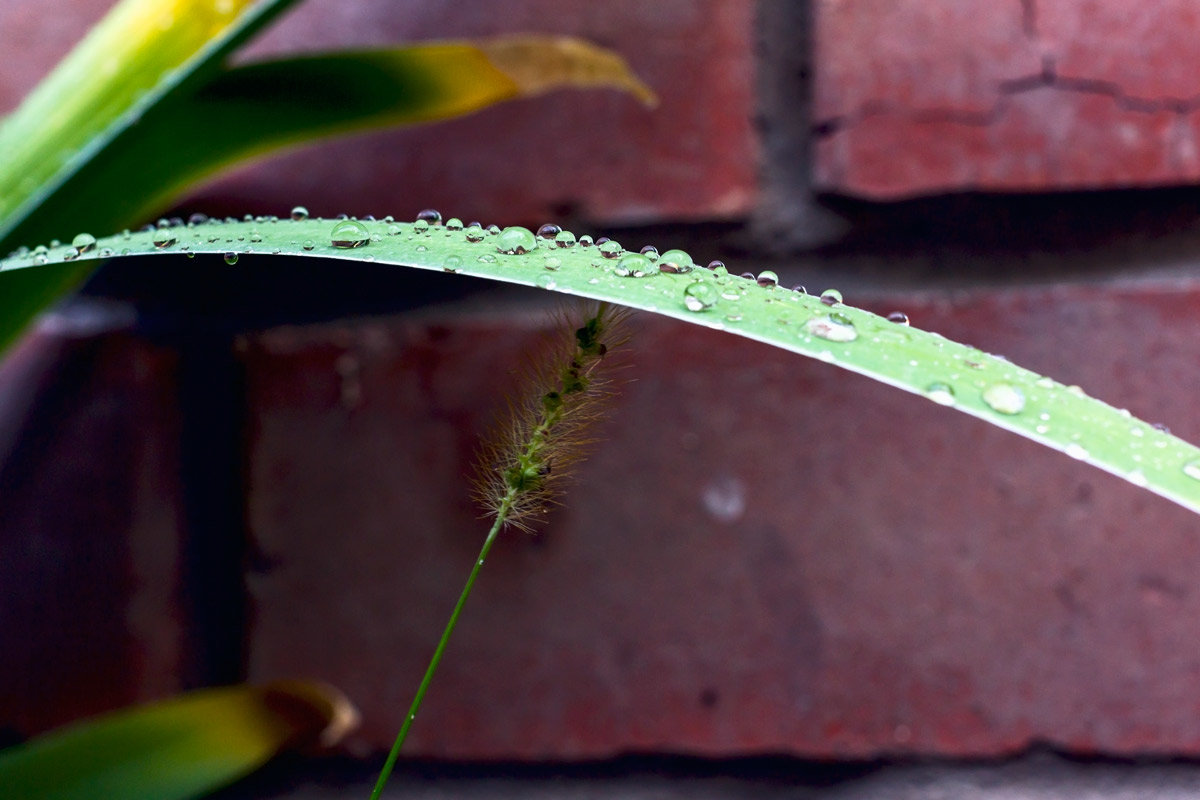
454 224
429 216
548 231
699 296
83 242
516 240
1005 398
898 317
231 258
767 279
564 239
940 393
633 265
831 297
164 238
299 213
610 248
474 232
349 233
676 262
833 328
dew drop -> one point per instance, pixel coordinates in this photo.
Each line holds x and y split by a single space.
392 229
486 258
1192 469
676 262
493 230
1005 398
650 252
831 297
309 244
940 393
452 263
767 279
564 239
164 238
633 265
197 219
349 233
898 317
548 231
299 213
716 265
231 258
83 242
552 263
474 232
800 289
585 241
833 328
454 224
611 248
429 216
420 226
547 282
515 241
1077 451
699 296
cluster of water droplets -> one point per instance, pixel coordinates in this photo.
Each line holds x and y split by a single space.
710 292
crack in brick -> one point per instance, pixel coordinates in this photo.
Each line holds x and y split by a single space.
1006 91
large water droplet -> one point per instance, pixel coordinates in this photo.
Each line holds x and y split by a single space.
349 233
833 328
429 216
309 244
633 265
699 296
231 258
83 242
1005 398
610 249
898 317
548 231
564 239
1192 469
299 213
940 393
515 241
474 232
675 261
164 238
452 263
831 297
585 241
454 224
767 279
552 263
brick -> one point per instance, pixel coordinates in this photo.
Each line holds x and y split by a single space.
766 555
921 98
89 527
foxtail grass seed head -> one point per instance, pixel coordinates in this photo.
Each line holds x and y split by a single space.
524 466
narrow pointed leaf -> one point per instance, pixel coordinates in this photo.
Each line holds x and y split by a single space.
177 749
948 373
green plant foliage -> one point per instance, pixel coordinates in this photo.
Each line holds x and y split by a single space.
177 749
122 110
1060 417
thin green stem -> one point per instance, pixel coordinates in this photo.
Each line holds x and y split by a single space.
385 773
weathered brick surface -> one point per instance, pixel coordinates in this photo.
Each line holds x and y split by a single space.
915 97
89 521
766 555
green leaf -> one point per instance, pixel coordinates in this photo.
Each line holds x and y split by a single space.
948 373
180 748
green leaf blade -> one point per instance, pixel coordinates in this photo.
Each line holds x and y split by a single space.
177 749
976 383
